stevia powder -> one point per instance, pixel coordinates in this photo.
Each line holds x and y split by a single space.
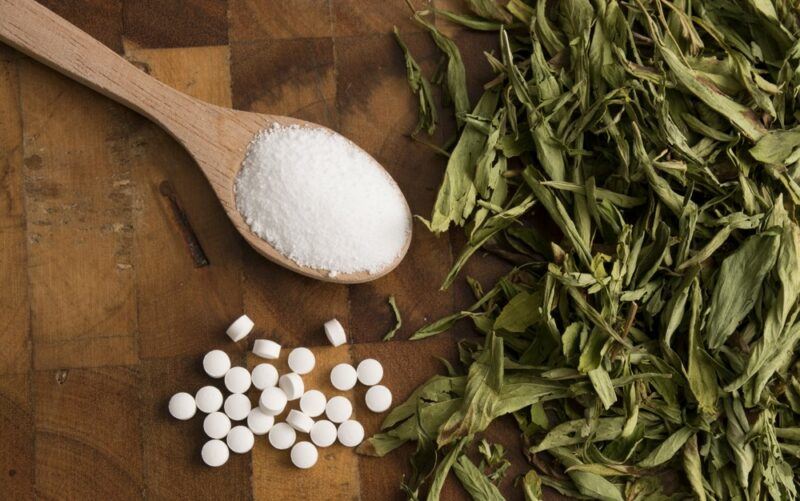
321 201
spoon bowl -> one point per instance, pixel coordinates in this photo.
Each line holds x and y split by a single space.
216 137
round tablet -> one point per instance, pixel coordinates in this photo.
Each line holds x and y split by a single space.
323 433
350 433
292 385
216 425
343 377
259 422
313 403
272 401
209 399
338 409
216 363
240 328
264 375
370 372
299 421
379 398
237 406
182 406
237 380
335 332
240 439
282 436
304 455
301 360
266 348
214 453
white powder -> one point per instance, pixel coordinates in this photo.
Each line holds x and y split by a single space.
321 201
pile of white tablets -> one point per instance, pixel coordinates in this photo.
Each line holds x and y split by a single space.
324 420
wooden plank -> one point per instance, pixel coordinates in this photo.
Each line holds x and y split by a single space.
15 358
406 365
377 111
184 305
100 18
188 23
297 78
78 205
88 434
279 19
287 307
173 468
351 18
286 77
16 438
336 474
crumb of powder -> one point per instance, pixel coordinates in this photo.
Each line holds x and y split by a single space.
321 201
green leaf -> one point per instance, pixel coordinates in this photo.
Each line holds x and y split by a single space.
456 198
602 386
777 147
475 482
421 87
456 78
738 285
481 396
569 433
589 484
532 486
667 449
443 468
701 374
693 468
520 313
742 117
398 320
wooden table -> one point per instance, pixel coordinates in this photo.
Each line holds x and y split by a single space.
120 270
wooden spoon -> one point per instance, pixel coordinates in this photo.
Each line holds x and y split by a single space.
216 137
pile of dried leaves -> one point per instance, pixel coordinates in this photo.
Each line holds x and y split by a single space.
657 328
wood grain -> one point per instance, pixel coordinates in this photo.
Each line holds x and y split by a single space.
351 18
252 20
15 358
75 433
269 77
16 438
84 309
101 18
188 23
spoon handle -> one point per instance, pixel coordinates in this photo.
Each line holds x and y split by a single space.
48 38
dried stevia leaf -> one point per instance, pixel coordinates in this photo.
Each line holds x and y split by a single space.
777 147
738 285
457 195
637 163
475 482
668 448
520 312
398 319
693 468
532 486
422 88
455 75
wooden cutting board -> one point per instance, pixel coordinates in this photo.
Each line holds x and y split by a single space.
119 269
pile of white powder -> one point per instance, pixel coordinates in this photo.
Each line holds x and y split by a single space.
321 201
